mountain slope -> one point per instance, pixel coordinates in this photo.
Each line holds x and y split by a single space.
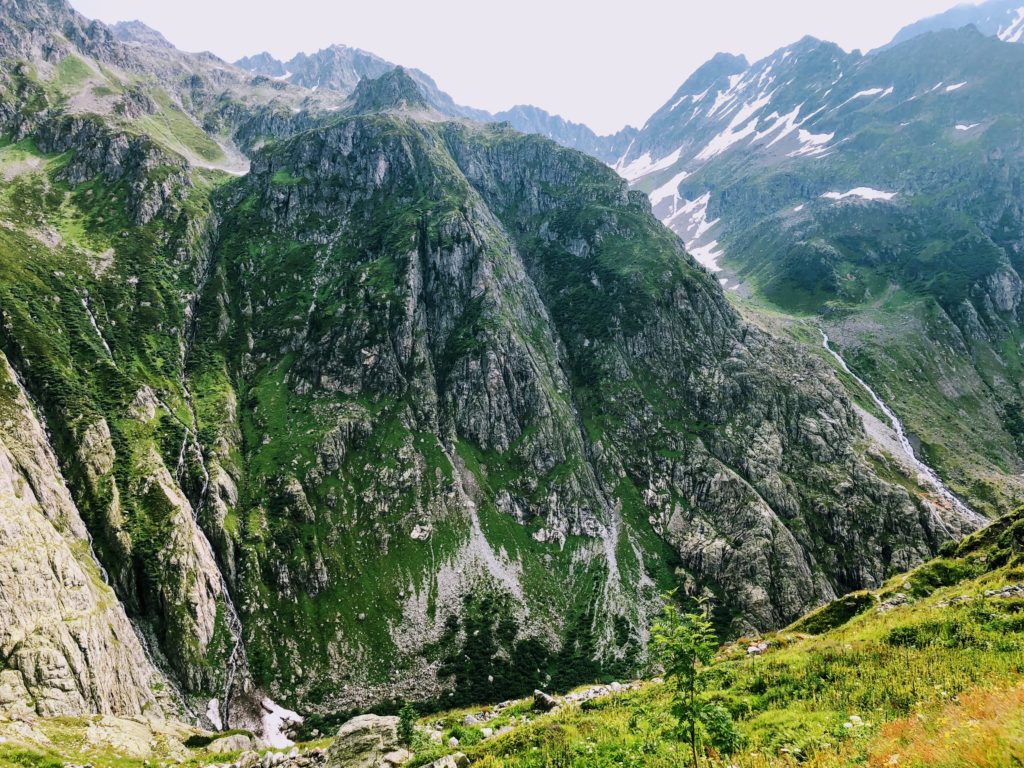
390 405
878 194
382 281
924 672
997 18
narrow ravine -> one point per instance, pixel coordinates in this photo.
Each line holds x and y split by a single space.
924 471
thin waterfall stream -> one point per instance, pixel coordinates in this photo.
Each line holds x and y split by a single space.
923 469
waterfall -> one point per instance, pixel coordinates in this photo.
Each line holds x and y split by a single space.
96 326
924 471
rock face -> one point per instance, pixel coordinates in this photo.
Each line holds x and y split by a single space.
478 331
363 742
67 645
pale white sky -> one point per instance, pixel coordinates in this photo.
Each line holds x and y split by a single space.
593 61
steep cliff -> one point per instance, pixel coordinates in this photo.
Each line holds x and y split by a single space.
445 361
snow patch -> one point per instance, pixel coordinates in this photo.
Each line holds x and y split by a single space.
708 255
669 189
726 96
788 123
732 132
879 92
213 714
644 165
962 127
955 87
696 99
865 193
274 719
798 208
812 144
690 222
1015 32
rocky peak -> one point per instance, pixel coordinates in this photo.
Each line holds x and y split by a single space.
262 64
33 30
140 34
392 91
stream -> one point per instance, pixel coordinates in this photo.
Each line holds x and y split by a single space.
924 471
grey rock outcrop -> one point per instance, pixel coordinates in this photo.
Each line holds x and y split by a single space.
363 742
66 644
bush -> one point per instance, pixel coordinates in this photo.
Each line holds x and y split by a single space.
407 717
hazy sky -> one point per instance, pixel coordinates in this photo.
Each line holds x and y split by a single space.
597 62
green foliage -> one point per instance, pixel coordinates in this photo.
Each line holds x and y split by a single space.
834 614
489 664
407 717
686 644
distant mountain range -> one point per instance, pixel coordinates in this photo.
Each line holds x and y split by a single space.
340 68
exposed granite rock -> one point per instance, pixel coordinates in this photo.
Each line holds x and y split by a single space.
363 742
67 646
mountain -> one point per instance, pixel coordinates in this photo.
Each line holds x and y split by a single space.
137 32
529 119
340 68
875 196
997 18
335 401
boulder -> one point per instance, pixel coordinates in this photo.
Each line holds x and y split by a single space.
397 757
543 702
456 760
363 742
235 742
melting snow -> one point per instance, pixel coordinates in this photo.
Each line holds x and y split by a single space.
708 255
787 122
726 96
799 208
213 714
695 98
879 92
956 87
643 165
274 719
1015 32
669 189
812 144
731 135
962 127
690 222
865 193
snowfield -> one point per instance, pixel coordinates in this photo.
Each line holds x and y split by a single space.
864 193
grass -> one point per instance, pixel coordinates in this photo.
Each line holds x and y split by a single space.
936 681
930 682
178 132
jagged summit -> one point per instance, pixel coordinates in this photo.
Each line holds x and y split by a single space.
139 33
393 91
262 63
